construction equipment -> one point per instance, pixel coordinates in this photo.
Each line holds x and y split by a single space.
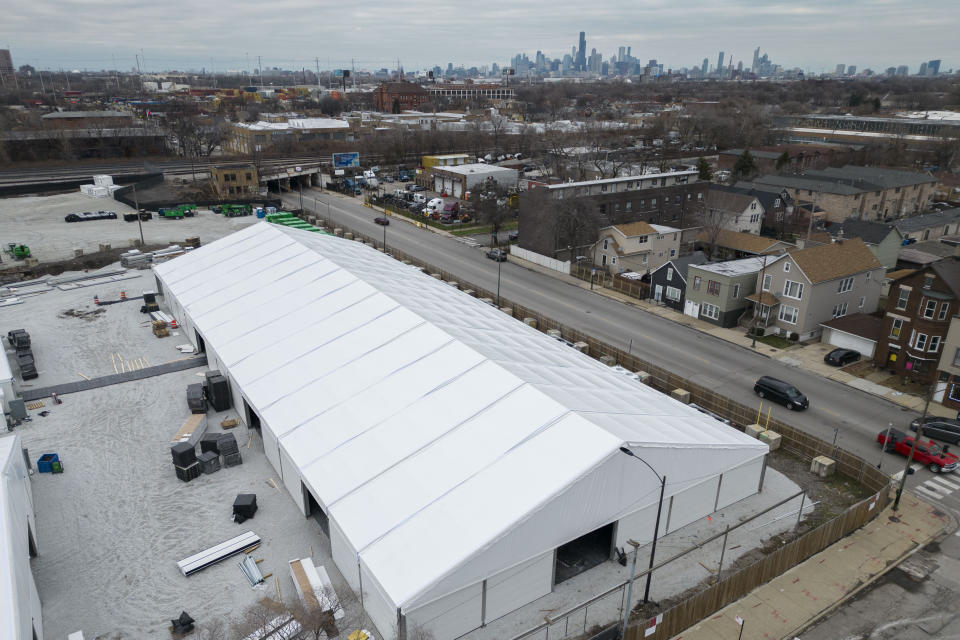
170 213
234 210
17 251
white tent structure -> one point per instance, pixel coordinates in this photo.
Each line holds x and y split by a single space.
19 601
451 448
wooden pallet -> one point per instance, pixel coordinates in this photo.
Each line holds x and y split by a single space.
35 405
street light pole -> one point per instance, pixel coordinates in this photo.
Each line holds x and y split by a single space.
656 527
499 264
763 274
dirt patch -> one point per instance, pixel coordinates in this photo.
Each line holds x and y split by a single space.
86 262
89 316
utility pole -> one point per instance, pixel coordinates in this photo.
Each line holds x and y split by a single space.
763 273
913 449
136 205
260 67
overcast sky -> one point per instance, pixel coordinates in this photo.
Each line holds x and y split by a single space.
189 34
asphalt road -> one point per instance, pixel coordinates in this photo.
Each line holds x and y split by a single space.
727 368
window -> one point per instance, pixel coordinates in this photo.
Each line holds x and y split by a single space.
776 202
845 285
736 291
903 298
713 288
767 282
863 301
643 260
788 314
929 308
673 294
673 252
955 392
928 280
653 202
944 307
711 311
934 344
921 342
696 286
956 358
669 274
642 240
629 205
793 289
786 267
603 259
896 328
605 245
840 310
869 273
699 196
753 205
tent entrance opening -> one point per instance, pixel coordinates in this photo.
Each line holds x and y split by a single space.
253 420
314 509
201 345
584 553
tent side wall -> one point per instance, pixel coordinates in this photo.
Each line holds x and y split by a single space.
17 519
375 603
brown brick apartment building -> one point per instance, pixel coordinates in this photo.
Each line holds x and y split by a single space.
919 309
403 95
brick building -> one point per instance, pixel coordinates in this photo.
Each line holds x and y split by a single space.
671 199
920 306
237 179
87 120
399 96
473 91
865 193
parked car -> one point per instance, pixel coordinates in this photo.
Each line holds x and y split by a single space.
497 255
945 429
416 187
90 215
388 178
514 236
382 220
841 357
780 391
928 453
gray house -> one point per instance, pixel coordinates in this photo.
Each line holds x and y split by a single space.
802 289
884 240
668 282
717 293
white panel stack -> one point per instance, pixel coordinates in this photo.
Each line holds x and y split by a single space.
103 181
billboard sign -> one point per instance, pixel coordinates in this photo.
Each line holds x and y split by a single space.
338 73
346 160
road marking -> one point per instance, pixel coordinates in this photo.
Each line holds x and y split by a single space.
833 413
930 494
936 488
948 484
899 474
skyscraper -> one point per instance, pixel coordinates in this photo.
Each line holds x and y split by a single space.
581 62
756 60
6 65
720 63
923 69
705 67
840 69
933 67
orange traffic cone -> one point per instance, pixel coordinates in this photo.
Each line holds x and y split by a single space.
123 295
96 300
173 323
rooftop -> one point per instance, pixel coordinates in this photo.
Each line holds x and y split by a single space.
301 124
477 168
57 115
622 179
735 267
732 201
918 223
745 242
831 261
869 232
858 324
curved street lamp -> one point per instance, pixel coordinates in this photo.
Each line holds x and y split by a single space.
635 545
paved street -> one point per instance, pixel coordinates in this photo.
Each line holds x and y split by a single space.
710 361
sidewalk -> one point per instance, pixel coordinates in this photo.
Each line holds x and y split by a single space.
808 357
788 604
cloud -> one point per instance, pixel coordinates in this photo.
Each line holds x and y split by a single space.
186 34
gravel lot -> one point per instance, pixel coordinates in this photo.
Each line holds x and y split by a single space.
37 221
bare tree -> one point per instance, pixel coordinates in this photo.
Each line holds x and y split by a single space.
712 220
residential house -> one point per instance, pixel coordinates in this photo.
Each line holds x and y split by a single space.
930 226
668 282
801 157
865 193
717 292
729 245
923 254
884 240
779 210
672 198
947 392
858 331
733 211
636 246
918 315
806 287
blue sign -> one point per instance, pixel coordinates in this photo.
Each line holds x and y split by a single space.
346 160
338 73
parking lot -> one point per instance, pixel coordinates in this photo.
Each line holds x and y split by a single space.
38 222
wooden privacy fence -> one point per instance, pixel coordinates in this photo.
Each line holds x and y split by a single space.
734 587
801 444
633 288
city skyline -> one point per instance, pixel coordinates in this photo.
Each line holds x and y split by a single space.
54 35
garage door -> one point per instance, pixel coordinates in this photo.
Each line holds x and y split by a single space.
849 341
457 189
437 184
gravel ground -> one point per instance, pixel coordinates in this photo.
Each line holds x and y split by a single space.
37 221
113 526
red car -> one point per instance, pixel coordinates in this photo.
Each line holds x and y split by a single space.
928 453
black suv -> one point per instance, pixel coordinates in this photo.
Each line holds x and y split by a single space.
782 392
943 429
